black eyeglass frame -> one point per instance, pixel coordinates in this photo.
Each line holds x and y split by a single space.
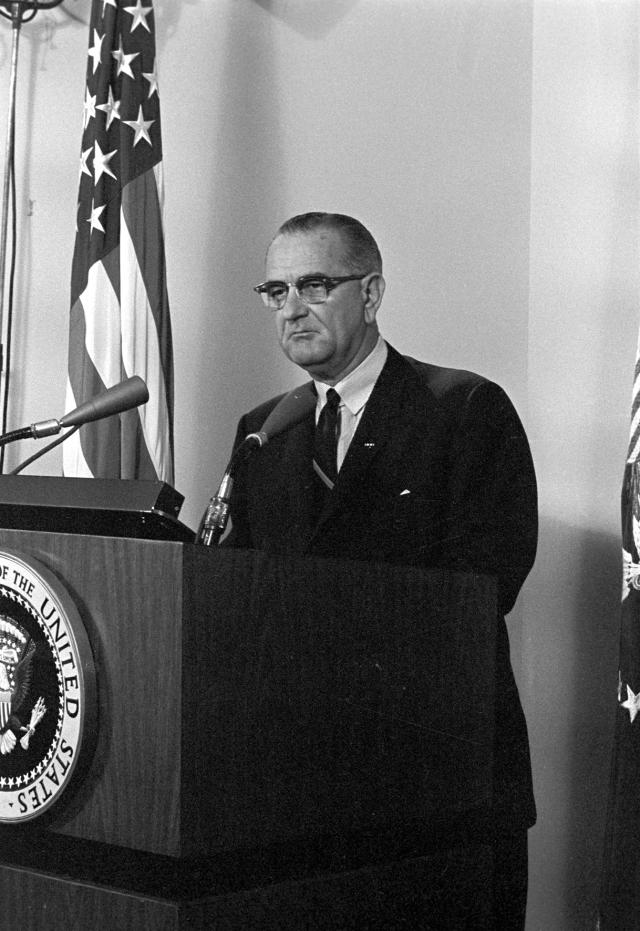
329 283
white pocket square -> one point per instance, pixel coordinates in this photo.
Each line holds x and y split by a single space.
405 492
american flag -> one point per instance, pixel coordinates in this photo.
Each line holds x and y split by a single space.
620 897
120 323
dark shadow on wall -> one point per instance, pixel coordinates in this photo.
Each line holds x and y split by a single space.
313 19
592 714
167 16
597 589
584 697
244 195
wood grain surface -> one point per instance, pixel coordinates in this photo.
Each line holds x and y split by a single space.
247 701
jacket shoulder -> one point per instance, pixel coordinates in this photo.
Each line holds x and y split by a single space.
459 392
441 380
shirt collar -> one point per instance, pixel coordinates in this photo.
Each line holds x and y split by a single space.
355 388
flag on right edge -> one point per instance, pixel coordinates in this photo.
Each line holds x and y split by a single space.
620 892
119 323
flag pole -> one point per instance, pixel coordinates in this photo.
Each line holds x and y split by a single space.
16 11
16 21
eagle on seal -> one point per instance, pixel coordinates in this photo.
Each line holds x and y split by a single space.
16 655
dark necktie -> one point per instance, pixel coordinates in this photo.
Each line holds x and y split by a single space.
325 455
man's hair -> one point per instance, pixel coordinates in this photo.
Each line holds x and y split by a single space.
361 249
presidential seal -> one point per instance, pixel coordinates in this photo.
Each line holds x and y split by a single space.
47 689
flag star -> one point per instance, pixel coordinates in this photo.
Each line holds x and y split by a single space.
89 107
152 78
94 219
96 50
632 704
139 13
111 108
141 127
84 168
124 61
101 162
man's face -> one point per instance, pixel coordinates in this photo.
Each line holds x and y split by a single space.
327 340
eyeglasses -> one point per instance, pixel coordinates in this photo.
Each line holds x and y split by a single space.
312 289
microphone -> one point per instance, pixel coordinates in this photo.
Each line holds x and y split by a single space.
291 409
121 397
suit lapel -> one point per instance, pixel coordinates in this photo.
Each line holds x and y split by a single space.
383 439
386 424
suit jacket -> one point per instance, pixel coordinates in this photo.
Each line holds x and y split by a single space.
438 474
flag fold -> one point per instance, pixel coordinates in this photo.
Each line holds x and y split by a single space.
120 324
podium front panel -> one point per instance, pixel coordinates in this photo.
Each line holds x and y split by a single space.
248 702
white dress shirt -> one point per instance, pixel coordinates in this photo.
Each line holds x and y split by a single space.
354 391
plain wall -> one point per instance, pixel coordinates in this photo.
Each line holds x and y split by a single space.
582 333
491 146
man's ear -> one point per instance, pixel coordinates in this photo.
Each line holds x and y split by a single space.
373 286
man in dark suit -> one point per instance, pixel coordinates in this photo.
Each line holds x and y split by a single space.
404 462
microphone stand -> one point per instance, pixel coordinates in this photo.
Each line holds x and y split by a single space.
292 407
215 518
18 12
45 449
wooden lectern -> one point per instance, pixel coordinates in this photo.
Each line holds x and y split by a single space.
281 744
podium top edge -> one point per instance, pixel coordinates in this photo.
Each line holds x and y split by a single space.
104 507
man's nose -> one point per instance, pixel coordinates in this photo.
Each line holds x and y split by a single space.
294 306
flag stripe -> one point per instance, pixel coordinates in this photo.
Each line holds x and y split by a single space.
135 460
140 352
76 464
106 432
150 255
101 309
149 247
634 450
634 428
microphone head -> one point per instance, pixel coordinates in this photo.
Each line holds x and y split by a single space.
122 397
291 409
